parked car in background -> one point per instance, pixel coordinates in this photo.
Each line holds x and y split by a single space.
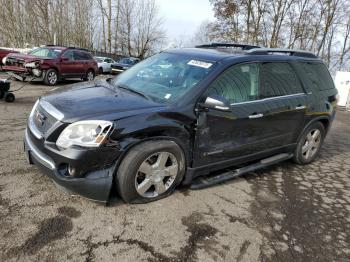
124 64
104 64
205 110
51 64
3 53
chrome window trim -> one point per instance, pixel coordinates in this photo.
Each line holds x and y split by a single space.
51 110
37 154
267 99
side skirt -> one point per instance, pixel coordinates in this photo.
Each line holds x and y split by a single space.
203 182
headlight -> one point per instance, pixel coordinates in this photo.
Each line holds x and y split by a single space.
33 109
89 133
4 60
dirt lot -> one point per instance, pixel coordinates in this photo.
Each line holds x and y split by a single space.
284 213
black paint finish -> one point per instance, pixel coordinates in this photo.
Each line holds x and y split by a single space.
211 139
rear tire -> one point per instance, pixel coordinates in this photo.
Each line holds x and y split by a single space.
51 77
150 171
90 75
309 144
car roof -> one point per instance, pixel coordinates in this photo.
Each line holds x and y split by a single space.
54 47
257 54
208 54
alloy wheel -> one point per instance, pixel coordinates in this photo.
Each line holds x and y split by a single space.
312 144
156 174
52 77
90 76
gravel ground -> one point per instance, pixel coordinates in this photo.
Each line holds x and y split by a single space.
284 213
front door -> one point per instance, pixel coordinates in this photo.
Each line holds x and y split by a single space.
259 119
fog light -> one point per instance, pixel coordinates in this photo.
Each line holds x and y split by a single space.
72 171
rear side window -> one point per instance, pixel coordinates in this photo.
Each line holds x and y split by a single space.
237 84
79 55
88 56
318 75
68 54
279 79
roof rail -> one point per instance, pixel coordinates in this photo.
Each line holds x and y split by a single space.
291 52
215 45
78 48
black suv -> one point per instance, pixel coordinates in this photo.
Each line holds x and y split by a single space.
182 114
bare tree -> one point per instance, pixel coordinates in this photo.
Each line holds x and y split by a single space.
321 26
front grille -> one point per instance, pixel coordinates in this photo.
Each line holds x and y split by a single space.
43 121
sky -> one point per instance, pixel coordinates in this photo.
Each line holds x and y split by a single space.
182 17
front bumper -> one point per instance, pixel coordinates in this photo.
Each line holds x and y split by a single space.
116 70
95 185
22 76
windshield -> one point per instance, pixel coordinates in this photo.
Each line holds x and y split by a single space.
126 61
46 52
164 77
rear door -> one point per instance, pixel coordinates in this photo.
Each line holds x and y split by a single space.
285 102
81 62
264 114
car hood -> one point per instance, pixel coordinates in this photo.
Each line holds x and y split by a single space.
99 101
25 57
120 64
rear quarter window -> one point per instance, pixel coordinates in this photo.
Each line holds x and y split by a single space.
318 75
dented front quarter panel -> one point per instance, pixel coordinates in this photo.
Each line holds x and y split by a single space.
175 126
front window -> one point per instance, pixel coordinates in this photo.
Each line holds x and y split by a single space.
164 77
46 52
237 84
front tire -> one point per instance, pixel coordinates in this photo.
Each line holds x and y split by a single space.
51 77
309 144
150 171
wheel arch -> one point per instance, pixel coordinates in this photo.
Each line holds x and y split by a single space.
91 69
324 120
133 142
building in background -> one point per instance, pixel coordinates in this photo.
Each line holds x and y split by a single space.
342 83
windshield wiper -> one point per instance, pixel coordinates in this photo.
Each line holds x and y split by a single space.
125 87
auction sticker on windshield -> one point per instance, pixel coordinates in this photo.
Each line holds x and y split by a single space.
199 63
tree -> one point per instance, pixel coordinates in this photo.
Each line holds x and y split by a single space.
321 26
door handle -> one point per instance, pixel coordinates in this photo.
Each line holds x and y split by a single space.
300 107
253 116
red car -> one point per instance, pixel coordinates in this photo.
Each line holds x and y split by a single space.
51 64
3 53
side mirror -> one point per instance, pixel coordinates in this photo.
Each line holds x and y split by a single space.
64 59
216 102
